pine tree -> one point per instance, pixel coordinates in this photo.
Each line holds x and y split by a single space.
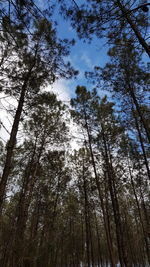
109 19
46 128
38 63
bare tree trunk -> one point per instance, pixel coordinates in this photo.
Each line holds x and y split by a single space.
142 145
23 205
12 140
100 197
128 237
133 97
117 217
100 261
10 147
140 216
10 243
90 234
86 219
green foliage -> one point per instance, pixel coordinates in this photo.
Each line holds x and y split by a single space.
88 206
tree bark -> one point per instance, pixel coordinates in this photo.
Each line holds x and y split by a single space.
115 205
140 215
12 140
142 145
86 220
100 196
23 206
133 97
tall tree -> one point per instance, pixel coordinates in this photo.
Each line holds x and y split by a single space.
110 19
46 128
39 61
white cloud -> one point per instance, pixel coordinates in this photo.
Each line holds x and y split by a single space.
7 105
62 89
88 62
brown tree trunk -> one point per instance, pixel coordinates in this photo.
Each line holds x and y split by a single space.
86 220
100 261
142 145
133 97
110 248
10 243
10 146
115 205
140 216
12 140
91 242
23 205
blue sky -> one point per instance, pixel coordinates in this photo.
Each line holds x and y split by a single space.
83 56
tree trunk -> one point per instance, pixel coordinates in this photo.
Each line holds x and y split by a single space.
134 27
115 205
100 197
12 140
86 220
133 97
142 145
140 216
100 261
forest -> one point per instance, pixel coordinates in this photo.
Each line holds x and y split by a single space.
87 205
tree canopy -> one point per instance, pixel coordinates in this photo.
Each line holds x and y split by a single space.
85 206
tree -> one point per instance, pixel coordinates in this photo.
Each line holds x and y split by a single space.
128 83
46 129
109 19
39 61
86 105
103 136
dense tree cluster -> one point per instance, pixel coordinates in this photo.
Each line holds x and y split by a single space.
90 206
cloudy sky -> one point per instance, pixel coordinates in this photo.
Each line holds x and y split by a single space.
83 57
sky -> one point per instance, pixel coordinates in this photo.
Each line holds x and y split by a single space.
83 57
